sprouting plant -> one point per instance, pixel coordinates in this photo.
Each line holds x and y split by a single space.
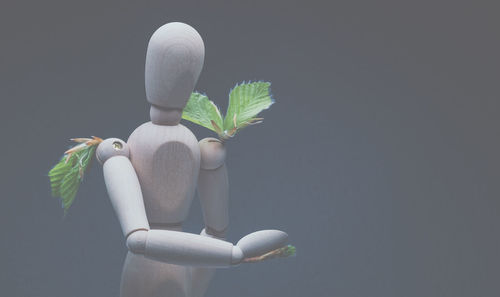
66 176
246 101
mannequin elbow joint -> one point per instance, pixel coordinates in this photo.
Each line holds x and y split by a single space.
136 241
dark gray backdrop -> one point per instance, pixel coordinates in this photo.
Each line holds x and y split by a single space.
380 157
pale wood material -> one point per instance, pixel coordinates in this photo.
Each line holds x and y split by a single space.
165 116
167 162
261 242
188 249
173 63
213 153
213 186
200 280
168 246
202 276
125 194
144 277
151 182
213 189
111 147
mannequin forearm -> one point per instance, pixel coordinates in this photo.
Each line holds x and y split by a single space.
183 248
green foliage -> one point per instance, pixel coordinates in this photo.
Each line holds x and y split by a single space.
289 251
200 110
66 176
246 101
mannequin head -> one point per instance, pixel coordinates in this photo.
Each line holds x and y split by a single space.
174 61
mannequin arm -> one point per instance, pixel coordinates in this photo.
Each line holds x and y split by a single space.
162 245
213 187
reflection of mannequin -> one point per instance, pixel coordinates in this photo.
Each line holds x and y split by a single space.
152 178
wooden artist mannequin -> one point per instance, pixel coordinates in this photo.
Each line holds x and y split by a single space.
151 181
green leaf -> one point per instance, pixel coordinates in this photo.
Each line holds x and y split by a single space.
289 251
200 110
57 174
245 102
66 176
69 188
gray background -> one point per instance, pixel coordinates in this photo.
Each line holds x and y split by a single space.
380 157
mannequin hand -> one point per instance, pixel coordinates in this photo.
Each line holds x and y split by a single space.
261 242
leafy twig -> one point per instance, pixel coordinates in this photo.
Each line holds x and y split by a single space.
66 176
246 101
285 251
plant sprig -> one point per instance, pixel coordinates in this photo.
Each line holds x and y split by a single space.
286 251
246 101
66 176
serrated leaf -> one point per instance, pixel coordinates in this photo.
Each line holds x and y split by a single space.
55 185
200 110
69 188
246 101
57 174
66 176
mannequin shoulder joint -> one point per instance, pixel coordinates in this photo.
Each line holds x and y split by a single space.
112 147
213 153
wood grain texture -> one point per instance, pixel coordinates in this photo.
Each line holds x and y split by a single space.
174 61
261 242
167 162
111 147
213 153
202 276
125 194
184 248
213 186
144 277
